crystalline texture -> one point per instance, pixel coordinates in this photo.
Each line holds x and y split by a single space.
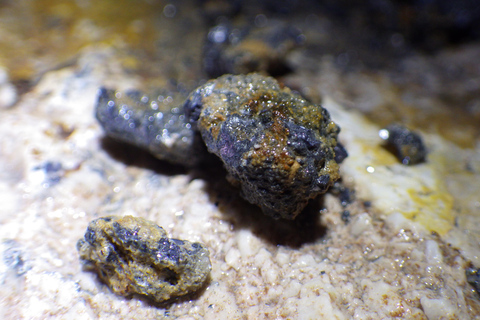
280 149
276 146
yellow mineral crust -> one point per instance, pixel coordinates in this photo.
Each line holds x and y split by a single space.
134 256
418 192
281 149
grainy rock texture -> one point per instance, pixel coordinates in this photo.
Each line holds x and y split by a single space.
155 124
134 256
397 256
276 145
279 148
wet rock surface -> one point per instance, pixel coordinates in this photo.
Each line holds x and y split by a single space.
156 124
134 256
276 145
473 278
407 145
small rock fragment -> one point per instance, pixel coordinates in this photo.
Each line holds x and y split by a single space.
50 172
407 145
473 277
276 146
340 153
346 216
345 194
134 256
244 49
157 125
13 259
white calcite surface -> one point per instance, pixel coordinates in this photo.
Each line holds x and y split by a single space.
57 174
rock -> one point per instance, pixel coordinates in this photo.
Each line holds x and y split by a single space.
155 124
244 49
280 149
134 256
276 146
473 277
405 144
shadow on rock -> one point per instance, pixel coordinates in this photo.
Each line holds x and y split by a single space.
134 156
306 228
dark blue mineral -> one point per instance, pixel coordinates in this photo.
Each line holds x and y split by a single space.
473 277
405 144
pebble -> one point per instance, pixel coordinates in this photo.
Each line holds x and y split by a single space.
405 144
134 256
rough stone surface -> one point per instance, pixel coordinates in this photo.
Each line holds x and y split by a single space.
406 145
279 148
134 256
155 124
276 145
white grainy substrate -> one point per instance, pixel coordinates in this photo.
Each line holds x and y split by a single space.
56 177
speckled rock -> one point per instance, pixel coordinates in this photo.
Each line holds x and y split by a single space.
134 256
276 146
407 145
155 124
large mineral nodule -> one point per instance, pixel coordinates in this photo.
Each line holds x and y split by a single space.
134 256
278 147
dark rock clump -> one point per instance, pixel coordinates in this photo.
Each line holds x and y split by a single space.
405 144
275 145
243 49
134 256
280 149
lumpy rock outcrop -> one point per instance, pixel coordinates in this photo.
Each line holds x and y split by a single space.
277 146
134 256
